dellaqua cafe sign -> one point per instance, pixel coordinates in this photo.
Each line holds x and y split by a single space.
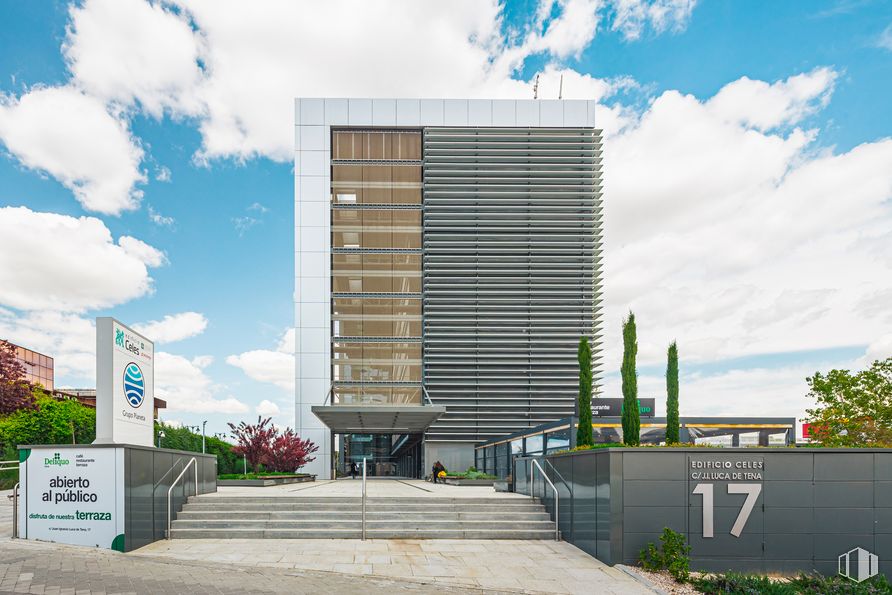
73 495
125 380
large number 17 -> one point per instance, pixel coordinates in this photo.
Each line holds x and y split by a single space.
751 490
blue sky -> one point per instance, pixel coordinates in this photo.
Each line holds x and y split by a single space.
765 264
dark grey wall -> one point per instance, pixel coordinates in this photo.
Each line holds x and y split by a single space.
812 506
148 474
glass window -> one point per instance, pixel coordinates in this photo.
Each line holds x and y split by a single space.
377 352
407 351
346 352
406 220
345 239
558 440
517 446
346 372
534 444
407 395
377 372
410 146
372 394
403 372
346 219
406 240
377 183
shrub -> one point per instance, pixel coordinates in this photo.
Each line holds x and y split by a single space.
672 555
53 421
747 584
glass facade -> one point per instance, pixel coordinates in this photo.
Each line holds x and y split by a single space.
38 367
376 267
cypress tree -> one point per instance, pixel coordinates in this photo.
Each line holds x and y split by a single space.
631 415
584 402
672 395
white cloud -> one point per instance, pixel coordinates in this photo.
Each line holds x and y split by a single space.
726 231
174 327
885 38
162 174
142 251
68 338
57 262
633 16
272 367
267 408
125 51
764 106
73 137
879 349
236 69
159 219
186 387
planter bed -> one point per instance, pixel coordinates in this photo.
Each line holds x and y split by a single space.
272 480
458 481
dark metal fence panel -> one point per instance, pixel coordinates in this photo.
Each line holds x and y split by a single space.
757 510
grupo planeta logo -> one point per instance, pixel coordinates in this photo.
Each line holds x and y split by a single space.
134 385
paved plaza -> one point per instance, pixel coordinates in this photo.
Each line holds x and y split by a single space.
375 488
503 565
314 565
36 567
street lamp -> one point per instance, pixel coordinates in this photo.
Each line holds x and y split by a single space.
160 436
203 424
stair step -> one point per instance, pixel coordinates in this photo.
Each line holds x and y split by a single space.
370 524
356 515
356 534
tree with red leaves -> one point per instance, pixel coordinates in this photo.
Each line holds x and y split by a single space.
15 391
254 441
289 453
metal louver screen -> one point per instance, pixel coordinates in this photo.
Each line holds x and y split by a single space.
511 274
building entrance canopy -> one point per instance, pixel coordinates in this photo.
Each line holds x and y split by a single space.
378 419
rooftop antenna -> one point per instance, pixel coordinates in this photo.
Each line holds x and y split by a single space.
536 88
561 88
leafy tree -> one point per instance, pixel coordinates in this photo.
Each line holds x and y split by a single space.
52 421
672 395
15 392
631 415
180 438
584 432
853 409
254 440
288 452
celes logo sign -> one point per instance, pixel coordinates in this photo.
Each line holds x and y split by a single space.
134 385
56 461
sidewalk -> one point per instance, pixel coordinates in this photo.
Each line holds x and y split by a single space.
37 567
504 565
375 488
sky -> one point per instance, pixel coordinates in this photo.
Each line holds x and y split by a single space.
146 174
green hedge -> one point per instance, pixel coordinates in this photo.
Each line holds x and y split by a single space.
184 439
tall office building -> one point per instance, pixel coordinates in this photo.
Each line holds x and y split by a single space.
447 263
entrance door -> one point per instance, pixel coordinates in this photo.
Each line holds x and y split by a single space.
386 455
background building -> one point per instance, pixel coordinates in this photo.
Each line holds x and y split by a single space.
448 261
38 367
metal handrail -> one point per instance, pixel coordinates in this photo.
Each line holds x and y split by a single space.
363 498
192 461
557 533
166 473
15 510
2 468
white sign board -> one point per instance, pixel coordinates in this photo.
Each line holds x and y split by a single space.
74 495
125 382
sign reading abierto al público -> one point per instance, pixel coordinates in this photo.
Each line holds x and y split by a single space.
726 477
74 495
125 381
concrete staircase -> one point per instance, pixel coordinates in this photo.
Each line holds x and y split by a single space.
217 517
